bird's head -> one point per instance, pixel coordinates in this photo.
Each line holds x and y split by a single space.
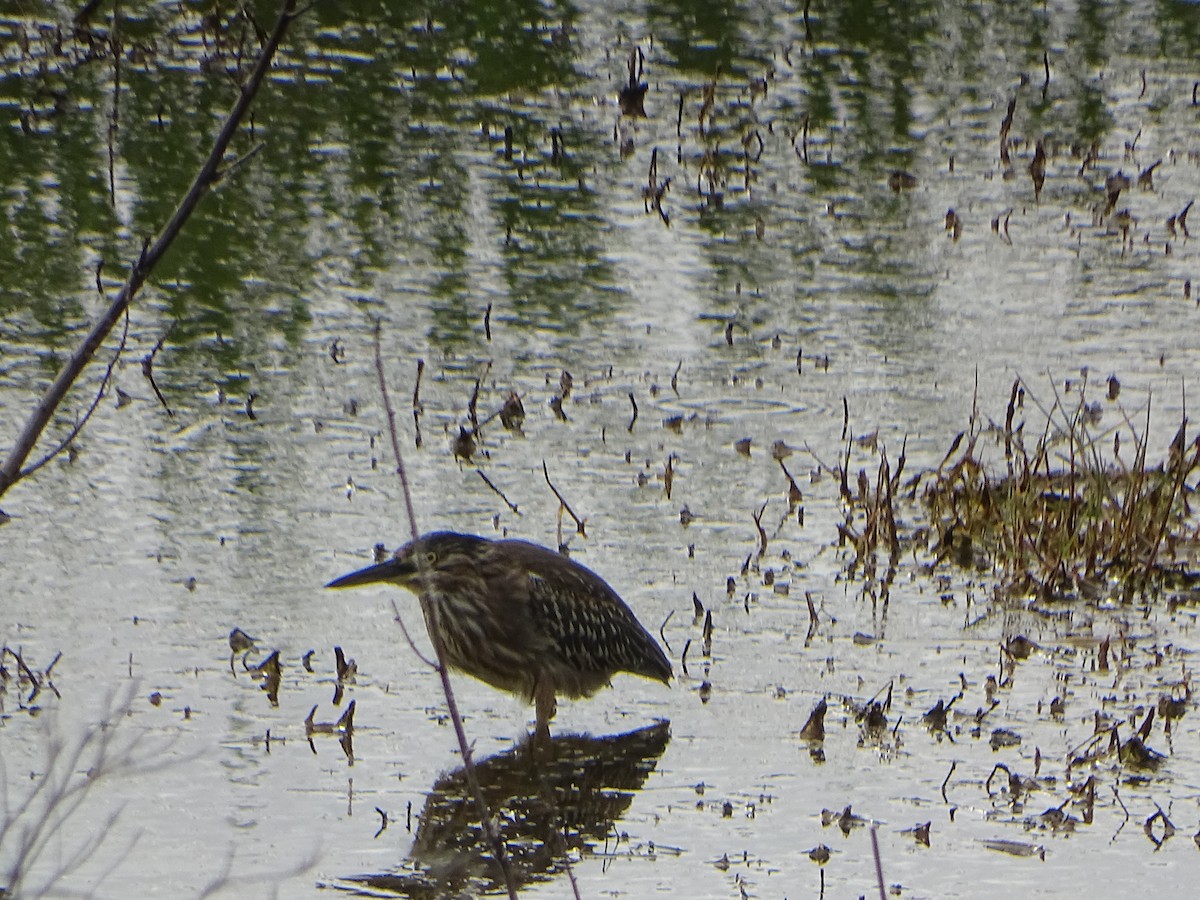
434 556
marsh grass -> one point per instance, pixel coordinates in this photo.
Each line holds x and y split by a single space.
1076 512
870 523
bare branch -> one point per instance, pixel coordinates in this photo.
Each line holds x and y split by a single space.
10 471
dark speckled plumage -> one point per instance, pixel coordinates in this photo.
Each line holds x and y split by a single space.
521 617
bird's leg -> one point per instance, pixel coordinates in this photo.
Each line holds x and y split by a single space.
546 708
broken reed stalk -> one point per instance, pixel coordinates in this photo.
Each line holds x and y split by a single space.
874 505
464 746
152 252
580 524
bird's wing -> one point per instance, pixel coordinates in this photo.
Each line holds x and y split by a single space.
591 629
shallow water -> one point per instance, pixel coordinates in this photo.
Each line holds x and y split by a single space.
383 192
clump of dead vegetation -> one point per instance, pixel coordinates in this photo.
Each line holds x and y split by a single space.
1078 510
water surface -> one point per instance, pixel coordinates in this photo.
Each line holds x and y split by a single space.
785 293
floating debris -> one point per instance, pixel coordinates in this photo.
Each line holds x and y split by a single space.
271 672
632 96
1134 754
512 413
1004 737
920 833
1037 171
814 728
239 641
1019 647
953 225
845 820
901 181
464 445
1015 848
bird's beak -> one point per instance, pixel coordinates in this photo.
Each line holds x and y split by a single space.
396 571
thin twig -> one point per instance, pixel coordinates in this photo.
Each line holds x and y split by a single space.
499 493
417 386
408 637
580 524
10 471
878 861
78 427
661 632
762 535
148 371
472 409
241 160
494 414
428 602
946 780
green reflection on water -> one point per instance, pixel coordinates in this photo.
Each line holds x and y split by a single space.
384 157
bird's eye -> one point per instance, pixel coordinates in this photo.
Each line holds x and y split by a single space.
431 557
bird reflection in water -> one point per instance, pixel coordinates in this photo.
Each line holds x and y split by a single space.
542 803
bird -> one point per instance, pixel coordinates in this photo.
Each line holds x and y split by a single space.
520 617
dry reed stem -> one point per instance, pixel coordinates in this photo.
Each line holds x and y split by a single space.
485 817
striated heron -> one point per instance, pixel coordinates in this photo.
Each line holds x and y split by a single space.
520 617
